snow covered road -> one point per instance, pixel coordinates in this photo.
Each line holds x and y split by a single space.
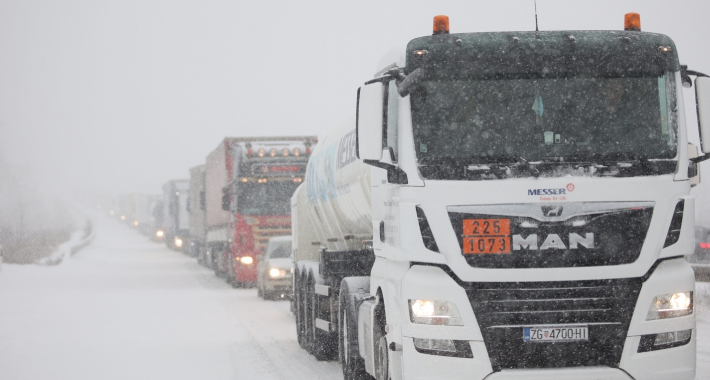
128 308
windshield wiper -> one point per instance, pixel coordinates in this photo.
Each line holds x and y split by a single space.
497 165
600 158
609 163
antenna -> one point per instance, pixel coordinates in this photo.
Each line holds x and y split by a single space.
536 16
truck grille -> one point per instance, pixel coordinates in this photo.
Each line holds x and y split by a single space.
616 231
503 309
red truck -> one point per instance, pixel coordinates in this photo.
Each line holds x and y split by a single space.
249 182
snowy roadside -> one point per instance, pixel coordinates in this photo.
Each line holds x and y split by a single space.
78 240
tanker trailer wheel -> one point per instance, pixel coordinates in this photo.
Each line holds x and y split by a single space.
348 348
298 295
307 321
323 346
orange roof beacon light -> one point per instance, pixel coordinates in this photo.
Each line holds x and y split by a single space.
632 22
441 24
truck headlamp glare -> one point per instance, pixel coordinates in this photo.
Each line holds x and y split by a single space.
671 305
246 260
428 312
178 242
159 233
276 272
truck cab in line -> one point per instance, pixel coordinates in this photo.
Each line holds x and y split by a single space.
248 183
176 218
507 205
196 206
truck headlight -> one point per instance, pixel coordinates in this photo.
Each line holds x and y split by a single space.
178 242
246 260
671 305
276 272
159 233
428 312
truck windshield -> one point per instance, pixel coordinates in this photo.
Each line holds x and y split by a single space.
271 198
279 249
576 117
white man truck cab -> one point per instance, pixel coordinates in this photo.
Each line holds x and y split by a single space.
510 205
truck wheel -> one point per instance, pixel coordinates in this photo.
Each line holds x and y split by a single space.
307 312
382 370
348 348
298 295
259 293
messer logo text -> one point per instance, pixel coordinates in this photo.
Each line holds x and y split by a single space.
553 241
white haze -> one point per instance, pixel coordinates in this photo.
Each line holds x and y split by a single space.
120 96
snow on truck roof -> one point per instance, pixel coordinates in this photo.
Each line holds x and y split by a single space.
270 138
281 238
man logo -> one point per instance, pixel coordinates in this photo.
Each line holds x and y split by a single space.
551 211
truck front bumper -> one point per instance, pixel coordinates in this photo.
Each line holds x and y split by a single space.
434 283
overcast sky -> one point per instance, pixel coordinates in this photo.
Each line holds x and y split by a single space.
124 95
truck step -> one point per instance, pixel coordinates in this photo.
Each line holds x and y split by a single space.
323 325
322 290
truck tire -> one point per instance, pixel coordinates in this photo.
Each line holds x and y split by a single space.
383 360
299 311
348 348
322 343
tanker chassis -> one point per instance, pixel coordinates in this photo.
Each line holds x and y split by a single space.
509 205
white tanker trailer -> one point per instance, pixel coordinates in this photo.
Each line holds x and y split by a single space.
508 205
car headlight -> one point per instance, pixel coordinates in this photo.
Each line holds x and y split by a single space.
428 312
246 260
276 272
671 305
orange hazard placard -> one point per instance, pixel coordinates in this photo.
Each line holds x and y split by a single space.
492 244
486 227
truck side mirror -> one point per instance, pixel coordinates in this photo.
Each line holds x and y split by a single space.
693 172
370 120
702 98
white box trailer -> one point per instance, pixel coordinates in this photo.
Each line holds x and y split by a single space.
508 205
217 177
197 206
145 213
176 218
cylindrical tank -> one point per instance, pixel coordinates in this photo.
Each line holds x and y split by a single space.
337 194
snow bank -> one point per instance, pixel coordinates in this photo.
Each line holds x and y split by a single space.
79 239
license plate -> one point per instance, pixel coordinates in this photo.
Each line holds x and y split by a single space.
555 333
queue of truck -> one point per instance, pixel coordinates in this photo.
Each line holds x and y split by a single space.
507 205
